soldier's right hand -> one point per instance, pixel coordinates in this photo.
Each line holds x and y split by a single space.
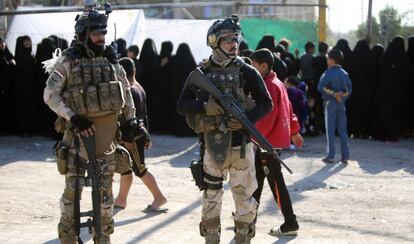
212 108
84 125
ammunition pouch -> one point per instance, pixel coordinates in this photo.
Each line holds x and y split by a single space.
101 97
199 175
122 159
61 152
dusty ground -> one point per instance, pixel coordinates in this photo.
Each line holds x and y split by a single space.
370 200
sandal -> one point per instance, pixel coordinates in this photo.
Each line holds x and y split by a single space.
279 232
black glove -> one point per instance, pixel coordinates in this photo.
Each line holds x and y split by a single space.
110 53
127 131
80 122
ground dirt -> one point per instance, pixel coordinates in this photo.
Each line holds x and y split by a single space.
369 200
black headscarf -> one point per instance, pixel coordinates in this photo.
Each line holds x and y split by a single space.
59 42
377 50
166 49
243 45
122 48
267 41
410 50
343 45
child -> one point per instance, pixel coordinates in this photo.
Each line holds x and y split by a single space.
297 99
335 87
279 127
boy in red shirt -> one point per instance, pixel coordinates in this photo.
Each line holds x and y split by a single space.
280 127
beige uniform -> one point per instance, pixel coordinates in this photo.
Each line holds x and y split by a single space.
242 182
98 91
221 160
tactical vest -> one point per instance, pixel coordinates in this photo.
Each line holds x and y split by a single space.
230 81
92 87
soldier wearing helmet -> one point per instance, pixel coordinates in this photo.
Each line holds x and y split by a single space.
229 152
88 89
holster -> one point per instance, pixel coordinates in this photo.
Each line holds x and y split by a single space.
61 153
196 167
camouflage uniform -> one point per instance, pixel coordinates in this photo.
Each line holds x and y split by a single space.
228 149
99 91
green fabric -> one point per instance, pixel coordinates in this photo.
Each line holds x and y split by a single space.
298 32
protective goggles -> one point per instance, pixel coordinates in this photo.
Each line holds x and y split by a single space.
231 39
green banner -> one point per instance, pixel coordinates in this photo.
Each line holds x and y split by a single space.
298 32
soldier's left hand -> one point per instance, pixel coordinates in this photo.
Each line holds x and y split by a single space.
234 124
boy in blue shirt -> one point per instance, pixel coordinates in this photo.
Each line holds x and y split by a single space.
336 87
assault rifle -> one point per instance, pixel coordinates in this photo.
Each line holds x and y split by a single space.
198 79
93 179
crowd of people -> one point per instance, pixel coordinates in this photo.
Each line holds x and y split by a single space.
378 109
381 80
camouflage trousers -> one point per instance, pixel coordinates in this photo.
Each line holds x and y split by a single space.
66 228
242 182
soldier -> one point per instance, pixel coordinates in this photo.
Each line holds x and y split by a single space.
228 147
88 89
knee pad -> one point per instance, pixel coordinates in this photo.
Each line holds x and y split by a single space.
66 233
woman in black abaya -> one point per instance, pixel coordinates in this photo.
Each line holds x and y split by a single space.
410 101
362 77
46 117
150 61
166 82
183 64
7 65
377 50
24 92
390 94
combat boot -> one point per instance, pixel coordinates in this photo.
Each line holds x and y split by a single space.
66 233
104 239
244 232
210 230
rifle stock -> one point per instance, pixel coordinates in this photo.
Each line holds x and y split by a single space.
232 108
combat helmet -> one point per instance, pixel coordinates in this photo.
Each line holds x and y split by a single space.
223 27
91 19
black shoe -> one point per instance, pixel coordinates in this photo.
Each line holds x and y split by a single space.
286 229
328 160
